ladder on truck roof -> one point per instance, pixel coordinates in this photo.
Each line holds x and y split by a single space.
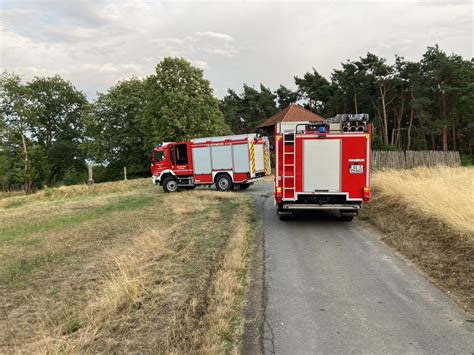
289 160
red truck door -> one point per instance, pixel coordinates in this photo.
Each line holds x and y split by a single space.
181 158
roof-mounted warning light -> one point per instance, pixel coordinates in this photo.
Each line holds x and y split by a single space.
317 127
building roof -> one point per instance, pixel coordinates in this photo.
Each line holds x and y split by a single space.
293 113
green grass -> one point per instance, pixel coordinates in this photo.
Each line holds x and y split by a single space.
72 326
15 204
123 204
21 268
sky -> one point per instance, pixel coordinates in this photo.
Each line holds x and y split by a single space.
96 43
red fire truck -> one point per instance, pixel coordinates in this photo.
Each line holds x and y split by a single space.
226 161
323 166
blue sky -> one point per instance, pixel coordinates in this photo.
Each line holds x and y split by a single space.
95 43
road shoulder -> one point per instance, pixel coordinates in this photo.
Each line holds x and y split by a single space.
253 313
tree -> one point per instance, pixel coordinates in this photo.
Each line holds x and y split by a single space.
174 104
232 108
316 89
181 104
378 76
245 111
259 105
58 112
449 79
116 130
14 106
286 97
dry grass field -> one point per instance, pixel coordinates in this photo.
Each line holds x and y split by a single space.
428 215
122 267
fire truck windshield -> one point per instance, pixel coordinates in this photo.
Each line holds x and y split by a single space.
159 157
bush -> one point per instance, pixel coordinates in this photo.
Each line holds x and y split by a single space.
73 177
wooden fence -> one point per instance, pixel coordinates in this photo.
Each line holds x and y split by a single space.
411 159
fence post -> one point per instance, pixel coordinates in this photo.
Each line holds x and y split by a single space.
91 180
125 173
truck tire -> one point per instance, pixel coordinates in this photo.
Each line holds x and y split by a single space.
224 183
245 186
170 184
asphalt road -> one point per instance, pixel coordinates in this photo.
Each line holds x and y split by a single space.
333 287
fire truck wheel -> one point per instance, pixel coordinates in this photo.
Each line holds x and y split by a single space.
244 186
170 184
224 183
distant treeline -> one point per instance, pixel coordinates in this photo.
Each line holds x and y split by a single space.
49 130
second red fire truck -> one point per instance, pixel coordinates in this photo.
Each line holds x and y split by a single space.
323 166
225 162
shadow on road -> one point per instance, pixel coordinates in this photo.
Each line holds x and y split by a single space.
313 216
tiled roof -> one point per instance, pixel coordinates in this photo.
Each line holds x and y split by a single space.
293 113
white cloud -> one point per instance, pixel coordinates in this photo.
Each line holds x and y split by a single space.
215 35
192 46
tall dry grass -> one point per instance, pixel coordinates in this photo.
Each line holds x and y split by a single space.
427 214
125 279
443 193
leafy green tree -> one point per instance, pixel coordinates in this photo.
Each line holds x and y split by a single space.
14 107
116 130
181 104
58 112
174 104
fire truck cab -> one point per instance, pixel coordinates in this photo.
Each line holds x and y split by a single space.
323 166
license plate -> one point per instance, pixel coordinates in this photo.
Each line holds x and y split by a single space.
356 169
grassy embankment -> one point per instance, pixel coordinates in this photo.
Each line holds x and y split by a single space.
123 267
427 214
